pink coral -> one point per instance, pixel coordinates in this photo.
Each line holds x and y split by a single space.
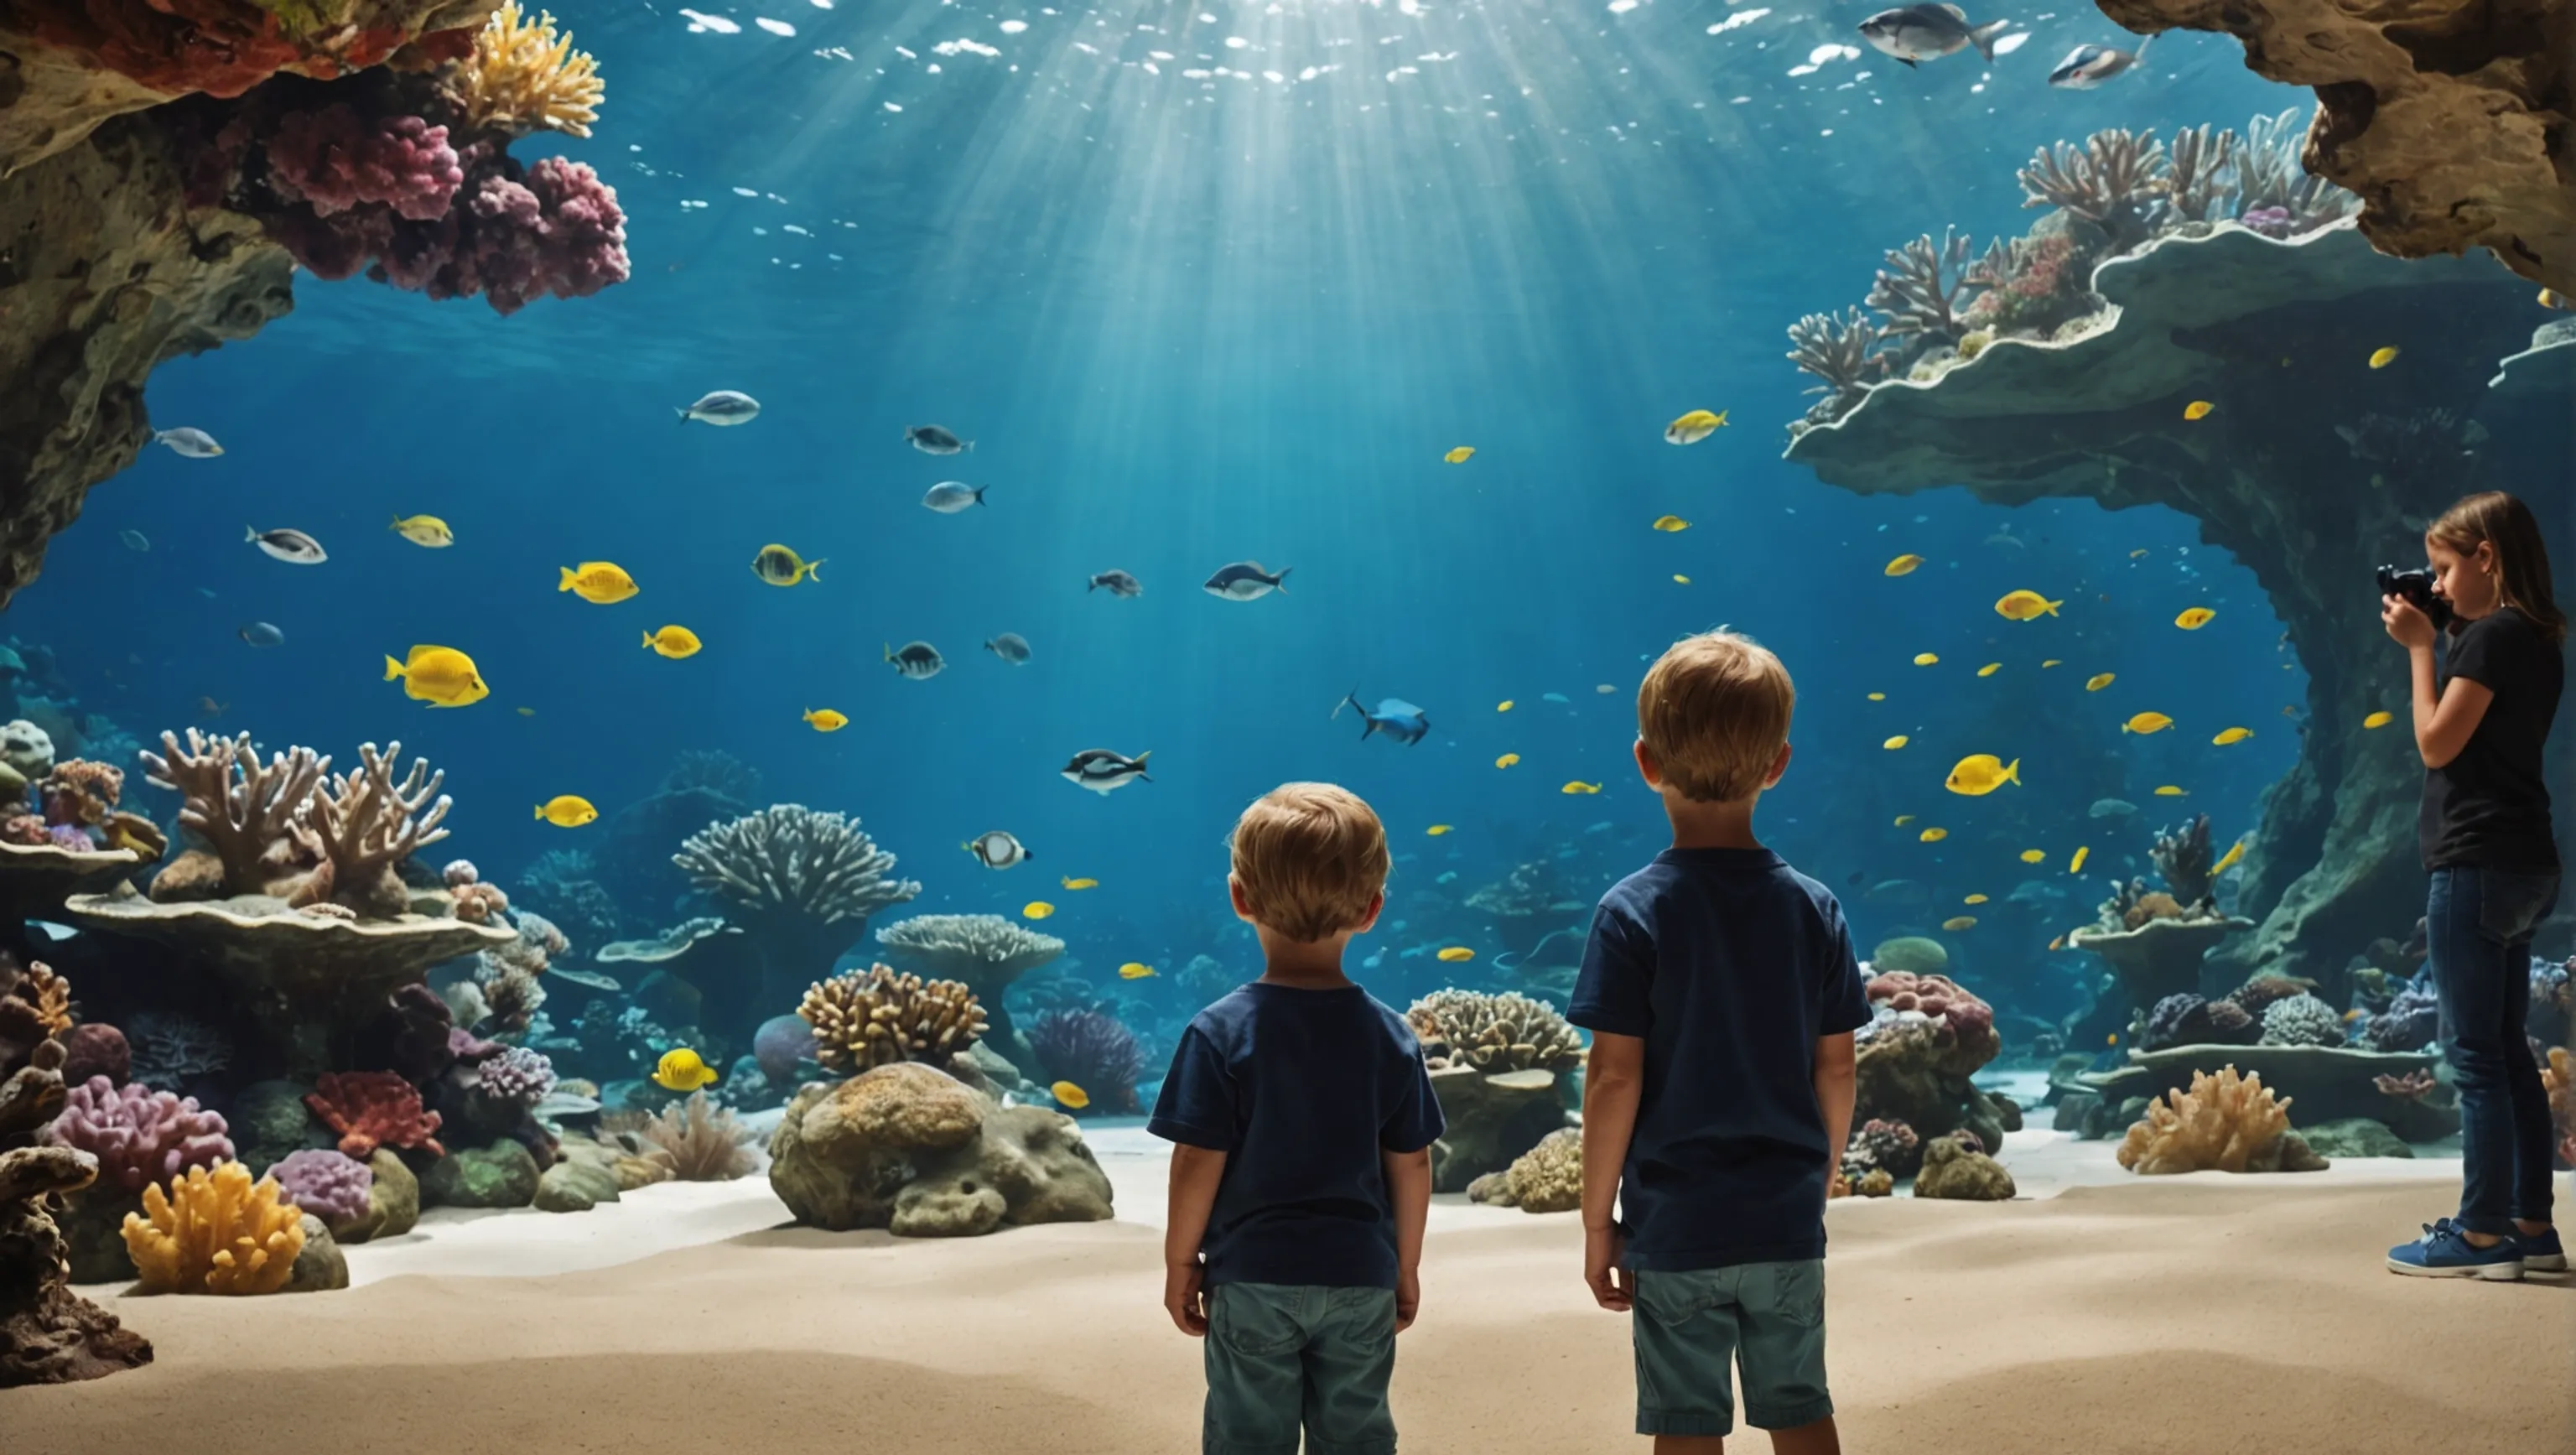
1936 997
371 1109
335 159
80 792
140 1136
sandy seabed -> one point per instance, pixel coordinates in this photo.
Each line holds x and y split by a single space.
2105 1315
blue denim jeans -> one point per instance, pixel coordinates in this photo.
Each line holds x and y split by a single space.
2478 925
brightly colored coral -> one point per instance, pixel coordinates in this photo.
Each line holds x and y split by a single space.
335 159
81 793
330 1185
371 1109
139 1136
525 76
2559 1078
2225 1121
1507 1032
868 1018
215 1232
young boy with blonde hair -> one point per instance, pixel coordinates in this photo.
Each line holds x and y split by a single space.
1721 992
1302 1118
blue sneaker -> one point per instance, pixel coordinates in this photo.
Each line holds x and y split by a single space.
2443 1253
2542 1252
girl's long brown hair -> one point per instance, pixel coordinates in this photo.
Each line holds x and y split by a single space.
2522 562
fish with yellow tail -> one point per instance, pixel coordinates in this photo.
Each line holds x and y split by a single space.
1903 565
2231 736
1069 1096
1461 455
439 676
2025 606
567 811
2194 618
2076 864
1136 970
1579 786
825 720
681 1069
2228 860
673 642
603 583
1693 427
779 566
2146 722
1979 774
423 530
1455 954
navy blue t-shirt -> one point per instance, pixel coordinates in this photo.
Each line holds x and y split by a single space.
1730 965
1301 1089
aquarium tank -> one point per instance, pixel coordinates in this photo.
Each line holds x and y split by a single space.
582 578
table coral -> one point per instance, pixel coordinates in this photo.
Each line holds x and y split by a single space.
370 1109
2225 1121
215 1232
1095 1051
1506 1032
525 76
801 885
863 1019
985 952
139 1136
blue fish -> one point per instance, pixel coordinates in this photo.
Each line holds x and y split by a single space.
1395 717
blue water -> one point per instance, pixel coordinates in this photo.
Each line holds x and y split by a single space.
1188 322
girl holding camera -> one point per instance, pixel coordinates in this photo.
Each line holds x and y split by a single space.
2482 713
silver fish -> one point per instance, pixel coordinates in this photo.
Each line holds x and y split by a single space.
1011 647
134 540
1103 771
196 444
2088 66
293 547
2111 808
1914 33
917 661
997 850
1118 584
951 496
723 407
261 634
1246 581
930 439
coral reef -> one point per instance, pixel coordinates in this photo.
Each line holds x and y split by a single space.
371 1109
2185 1019
242 811
525 76
698 1141
870 1018
801 885
2558 1078
911 1149
504 1174
97 1049
1843 351
215 1232
2228 1122
2411 1022
138 1136
1527 889
1547 1178
337 1188
984 952
1883 1145
366 824
2153 941
1492 1119
1927 1036
1507 1032
1095 1051
1919 286
1912 954
2183 856
2301 1020
1954 1169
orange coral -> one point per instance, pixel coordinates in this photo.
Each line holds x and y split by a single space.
2559 1076
215 1232
524 76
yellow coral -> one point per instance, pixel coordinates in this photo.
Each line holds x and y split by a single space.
2230 1122
2559 1079
215 1232
52 997
525 76
866 1019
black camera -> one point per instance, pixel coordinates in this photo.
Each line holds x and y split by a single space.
2416 587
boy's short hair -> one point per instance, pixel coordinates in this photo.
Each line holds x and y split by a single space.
1713 712
1310 858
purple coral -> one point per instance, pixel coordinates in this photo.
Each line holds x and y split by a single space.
334 160
2410 1023
96 1048
515 1073
1094 1051
140 1136
330 1185
71 836
2271 222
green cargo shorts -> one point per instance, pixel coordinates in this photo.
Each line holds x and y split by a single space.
1767 1318
1283 1359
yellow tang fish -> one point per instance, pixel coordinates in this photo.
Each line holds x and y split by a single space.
2052 662
1933 836
1069 1095
1974 899
2033 856
2194 618
2025 606
2171 790
1957 923
602 582
2197 409
825 720
567 811
1671 523
1878 697
1135 970
2147 722
1436 830
1460 455
1680 580
2235 852
1990 669
2378 720
424 530
527 712
1896 742
1693 427
2112 1039
673 642
1503 706
1079 884
439 676
2139 552
1455 953
1507 760
680 1069
1926 659
1037 909
2552 298
1580 787
780 566
2382 358
2231 737
2076 864
1903 565
1979 774
1903 819
2100 680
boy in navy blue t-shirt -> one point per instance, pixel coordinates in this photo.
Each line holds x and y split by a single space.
1722 994
1303 1118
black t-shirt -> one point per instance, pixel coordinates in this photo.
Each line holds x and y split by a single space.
1730 965
1301 1089
2489 807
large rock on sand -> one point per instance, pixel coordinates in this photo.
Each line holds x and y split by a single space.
911 1149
